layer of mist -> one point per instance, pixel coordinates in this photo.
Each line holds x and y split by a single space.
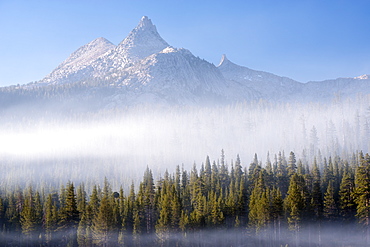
119 144
311 235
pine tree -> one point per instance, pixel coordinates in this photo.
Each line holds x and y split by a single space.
29 220
138 213
13 210
137 222
292 167
224 177
175 209
103 223
163 225
327 175
117 220
259 204
84 234
62 196
148 193
184 221
362 193
238 172
94 201
347 205
276 212
295 202
270 179
69 216
282 178
125 211
230 204
178 180
207 175
300 168
185 192
253 170
50 216
314 141
128 211
81 199
242 201
215 179
197 215
216 216
316 195
39 211
330 206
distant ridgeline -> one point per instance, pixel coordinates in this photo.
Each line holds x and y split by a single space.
283 202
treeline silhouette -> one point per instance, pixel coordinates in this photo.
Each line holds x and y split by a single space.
282 202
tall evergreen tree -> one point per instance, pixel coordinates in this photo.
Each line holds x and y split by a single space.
282 178
347 204
295 202
270 178
148 203
84 233
362 193
330 206
163 225
292 167
13 211
30 217
316 194
81 199
259 204
300 168
94 201
103 224
216 216
50 216
253 170
69 217
277 212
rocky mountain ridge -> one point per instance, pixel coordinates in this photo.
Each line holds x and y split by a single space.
145 69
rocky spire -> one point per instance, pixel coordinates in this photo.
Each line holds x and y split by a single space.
223 60
142 41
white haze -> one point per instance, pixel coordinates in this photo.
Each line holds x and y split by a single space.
327 235
120 144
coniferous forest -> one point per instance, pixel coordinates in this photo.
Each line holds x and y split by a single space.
283 202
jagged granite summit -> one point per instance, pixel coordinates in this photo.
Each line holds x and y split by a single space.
145 69
141 42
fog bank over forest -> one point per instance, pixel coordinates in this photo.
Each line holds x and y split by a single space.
119 144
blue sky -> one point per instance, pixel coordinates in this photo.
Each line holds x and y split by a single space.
303 40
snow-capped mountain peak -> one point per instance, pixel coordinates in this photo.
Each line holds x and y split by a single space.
142 41
363 77
144 67
79 60
145 22
89 52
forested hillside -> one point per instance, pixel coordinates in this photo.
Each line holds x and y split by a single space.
285 201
